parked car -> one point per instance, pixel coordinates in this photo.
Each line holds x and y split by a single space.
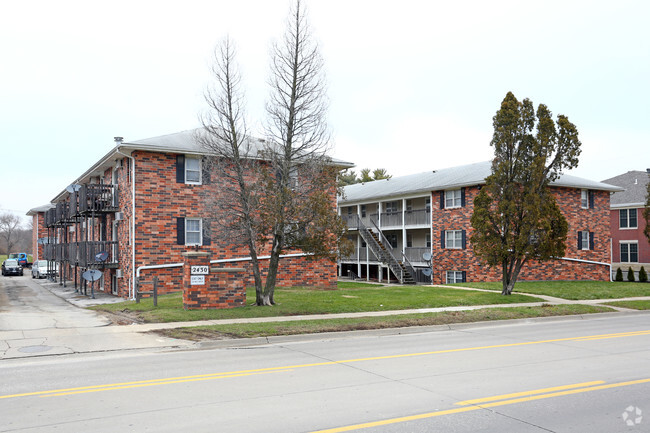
43 269
11 267
23 259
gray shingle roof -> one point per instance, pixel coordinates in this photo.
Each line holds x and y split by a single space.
448 178
185 142
635 184
39 209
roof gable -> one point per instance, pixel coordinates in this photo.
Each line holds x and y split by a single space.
634 183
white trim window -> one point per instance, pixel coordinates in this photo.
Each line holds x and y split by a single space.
584 240
192 170
629 252
584 199
453 198
391 207
193 231
453 277
627 219
427 240
454 239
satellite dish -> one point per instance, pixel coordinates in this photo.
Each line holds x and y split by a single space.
92 275
101 257
427 256
427 272
73 188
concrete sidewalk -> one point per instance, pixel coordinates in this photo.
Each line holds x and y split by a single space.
53 341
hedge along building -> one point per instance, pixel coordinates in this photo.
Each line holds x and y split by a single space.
144 204
405 225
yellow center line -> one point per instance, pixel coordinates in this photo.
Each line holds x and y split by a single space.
478 407
161 382
533 392
316 364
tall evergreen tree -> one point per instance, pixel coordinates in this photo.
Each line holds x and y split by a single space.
516 217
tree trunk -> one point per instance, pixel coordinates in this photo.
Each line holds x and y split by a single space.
271 276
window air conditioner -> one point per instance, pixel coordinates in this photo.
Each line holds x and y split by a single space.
119 216
118 273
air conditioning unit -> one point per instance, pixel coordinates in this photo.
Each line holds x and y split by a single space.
118 273
118 163
119 216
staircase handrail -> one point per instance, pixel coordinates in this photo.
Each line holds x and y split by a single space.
405 261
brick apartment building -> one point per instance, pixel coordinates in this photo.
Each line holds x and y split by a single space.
630 247
136 210
425 219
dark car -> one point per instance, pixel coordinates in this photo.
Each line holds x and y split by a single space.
11 267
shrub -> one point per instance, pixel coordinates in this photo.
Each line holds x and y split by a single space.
630 274
643 277
619 275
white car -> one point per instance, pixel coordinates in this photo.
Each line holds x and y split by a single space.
43 268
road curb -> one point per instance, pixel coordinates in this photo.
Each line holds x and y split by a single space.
299 338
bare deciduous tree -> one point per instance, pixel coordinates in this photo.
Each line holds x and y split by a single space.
9 230
280 190
297 175
224 135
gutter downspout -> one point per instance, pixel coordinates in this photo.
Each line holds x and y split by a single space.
118 140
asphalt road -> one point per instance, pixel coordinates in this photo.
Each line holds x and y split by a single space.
589 375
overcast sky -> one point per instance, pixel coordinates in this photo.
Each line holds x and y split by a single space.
413 85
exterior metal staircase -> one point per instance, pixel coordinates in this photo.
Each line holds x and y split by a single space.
379 245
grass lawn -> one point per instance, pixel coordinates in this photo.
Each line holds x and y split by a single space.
573 289
295 301
247 330
635 305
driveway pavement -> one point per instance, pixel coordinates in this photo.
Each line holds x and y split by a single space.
36 322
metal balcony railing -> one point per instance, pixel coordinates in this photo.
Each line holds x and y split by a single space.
97 198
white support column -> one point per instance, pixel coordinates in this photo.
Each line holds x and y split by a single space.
358 255
404 226
379 214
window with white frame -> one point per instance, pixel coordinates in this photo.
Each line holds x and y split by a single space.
192 170
629 252
391 206
584 240
193 231
392 240
409 205
627 219
453 198
454 277
409 241
427 204
454 239
427 240
584 199
293 178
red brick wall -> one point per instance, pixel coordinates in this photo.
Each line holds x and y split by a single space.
595 220
160 200
619 234
38 231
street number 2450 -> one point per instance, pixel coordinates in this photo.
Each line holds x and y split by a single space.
199 270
